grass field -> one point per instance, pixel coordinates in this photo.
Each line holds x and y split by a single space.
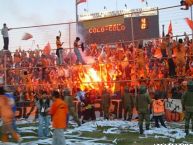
108 133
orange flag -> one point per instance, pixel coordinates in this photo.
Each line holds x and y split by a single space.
47 49
80 1
189 2
189 22
170 30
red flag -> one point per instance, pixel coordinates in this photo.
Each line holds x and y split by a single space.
170 31
189 22
27 36
80 1
142 1
47 49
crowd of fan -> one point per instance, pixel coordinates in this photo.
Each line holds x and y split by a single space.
159 64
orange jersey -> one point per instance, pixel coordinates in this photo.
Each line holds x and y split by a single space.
58 44
59 110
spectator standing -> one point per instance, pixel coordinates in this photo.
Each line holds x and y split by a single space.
171 64
158 109
4 32
58 111
77 52
88 109
69 101
43 106
80 96
59 50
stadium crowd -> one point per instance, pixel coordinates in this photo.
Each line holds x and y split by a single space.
157 64
134 73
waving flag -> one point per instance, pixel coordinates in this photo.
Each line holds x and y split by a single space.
47 49
189 2
189 22
27 36
80 1
170 30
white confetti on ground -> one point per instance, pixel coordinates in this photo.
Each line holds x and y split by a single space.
113 127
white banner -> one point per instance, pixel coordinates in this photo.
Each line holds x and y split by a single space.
174 105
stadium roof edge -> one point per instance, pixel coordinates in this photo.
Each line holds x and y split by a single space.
107 14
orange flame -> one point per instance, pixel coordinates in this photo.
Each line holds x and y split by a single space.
97 79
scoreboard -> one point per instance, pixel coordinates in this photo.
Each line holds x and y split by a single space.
123 27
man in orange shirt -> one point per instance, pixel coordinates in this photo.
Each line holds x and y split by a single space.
59 50
58 111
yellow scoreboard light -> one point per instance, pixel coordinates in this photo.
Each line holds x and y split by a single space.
143 23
